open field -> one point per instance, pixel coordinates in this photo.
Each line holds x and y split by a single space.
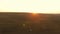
27 23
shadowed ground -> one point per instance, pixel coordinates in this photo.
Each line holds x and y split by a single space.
27 23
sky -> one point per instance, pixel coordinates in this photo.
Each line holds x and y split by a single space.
36 6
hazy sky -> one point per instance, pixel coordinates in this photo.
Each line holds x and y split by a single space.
39 6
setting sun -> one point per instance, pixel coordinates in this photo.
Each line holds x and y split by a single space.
34 12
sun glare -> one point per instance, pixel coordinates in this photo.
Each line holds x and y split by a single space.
34 12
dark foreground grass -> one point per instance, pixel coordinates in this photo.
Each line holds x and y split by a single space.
25 23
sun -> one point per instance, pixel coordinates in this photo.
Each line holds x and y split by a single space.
34 12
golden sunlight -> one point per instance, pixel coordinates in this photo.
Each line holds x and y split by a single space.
34 12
